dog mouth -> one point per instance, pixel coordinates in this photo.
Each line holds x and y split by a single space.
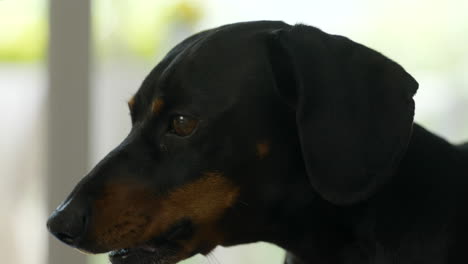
164 249
145 254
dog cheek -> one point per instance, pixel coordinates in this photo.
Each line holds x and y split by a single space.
204 202
121 215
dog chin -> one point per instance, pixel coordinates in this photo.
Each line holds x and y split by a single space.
163 249
146 254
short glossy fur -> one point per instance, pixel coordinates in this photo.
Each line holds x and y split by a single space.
304 139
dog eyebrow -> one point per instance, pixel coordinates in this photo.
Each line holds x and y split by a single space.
157 105
263 149
132 108
131 103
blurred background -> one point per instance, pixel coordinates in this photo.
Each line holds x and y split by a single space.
68 67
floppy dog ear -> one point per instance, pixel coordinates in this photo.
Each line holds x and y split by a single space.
354 109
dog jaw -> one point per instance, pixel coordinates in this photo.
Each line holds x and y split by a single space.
130 216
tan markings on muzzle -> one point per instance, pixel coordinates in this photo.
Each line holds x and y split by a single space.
263 149
157 106
131 103
128 214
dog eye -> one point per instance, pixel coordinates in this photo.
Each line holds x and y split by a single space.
183 125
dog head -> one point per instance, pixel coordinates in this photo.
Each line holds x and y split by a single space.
231 127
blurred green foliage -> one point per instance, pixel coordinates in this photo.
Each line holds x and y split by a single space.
23 30
139 27
135 28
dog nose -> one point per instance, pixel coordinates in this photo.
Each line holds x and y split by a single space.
68 223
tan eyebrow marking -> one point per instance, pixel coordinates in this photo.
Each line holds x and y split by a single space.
263 149
157 106
131 103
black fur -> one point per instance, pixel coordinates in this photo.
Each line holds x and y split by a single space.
347 177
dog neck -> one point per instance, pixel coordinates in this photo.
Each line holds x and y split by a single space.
419 202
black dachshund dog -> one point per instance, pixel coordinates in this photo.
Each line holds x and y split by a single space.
263 131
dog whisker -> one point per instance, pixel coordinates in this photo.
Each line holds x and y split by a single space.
207 259
212 255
